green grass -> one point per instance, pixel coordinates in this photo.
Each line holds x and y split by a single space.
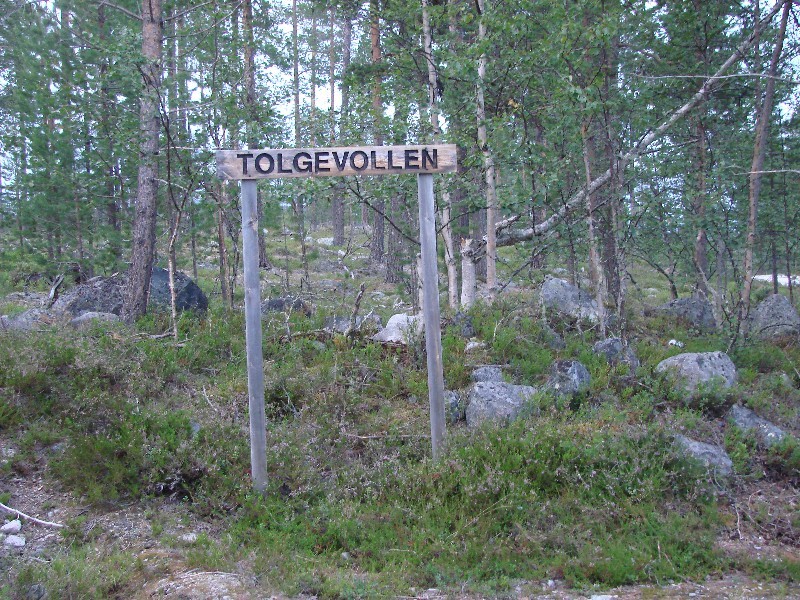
81 572
587 491
528 501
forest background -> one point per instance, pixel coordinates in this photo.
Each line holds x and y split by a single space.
111 115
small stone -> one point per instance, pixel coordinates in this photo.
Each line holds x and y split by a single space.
15 541
675 343
551 583
12 527
36 592
602 597
345 556
474 346
714 458
188 538
746 420
454 407
568 378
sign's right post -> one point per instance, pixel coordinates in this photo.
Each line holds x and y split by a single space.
430 310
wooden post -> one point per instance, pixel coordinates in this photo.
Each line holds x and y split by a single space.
255 361
251 165
430 310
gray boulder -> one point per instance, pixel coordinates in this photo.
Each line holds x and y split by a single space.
188 295
30 320
400 329
370 322
713 458
566 299
99 294
463 323
105 294
494 401
287 304
90 318
692 369
549 337
746 420
694 311
568 378
26 299
488 373
775 318
615 351
454 407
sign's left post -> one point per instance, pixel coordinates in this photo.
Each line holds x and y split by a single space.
255 357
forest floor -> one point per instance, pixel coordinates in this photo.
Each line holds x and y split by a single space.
165 571
94 426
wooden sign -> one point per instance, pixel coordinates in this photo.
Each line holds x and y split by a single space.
335 162
249 165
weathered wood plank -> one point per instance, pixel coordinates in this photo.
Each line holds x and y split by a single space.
336 162
430 311
255 358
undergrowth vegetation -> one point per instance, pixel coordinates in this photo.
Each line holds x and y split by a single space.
590 491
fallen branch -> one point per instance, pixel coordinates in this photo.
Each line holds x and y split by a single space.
53 295
351 326
22 515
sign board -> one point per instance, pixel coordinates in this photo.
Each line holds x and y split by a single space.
336 162
250 165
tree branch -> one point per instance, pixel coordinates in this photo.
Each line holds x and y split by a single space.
22 515
124 11
578 198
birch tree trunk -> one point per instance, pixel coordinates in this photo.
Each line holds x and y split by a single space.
759 153
298 202
488 161
433 108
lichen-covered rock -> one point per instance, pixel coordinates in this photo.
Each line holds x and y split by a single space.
285 304
31 319
714 458
488 373
105 294
495 401
745 419
694 311
775 318
188 295
400 329
568 378
454 407
616 351
692 369
566 299
368 323
87 319
464 325
99 294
